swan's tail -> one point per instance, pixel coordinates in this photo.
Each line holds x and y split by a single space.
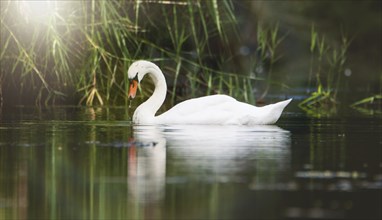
281 105
275 111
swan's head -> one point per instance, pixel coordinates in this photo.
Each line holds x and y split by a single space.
136 72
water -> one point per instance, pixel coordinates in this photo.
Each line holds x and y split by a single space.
91 163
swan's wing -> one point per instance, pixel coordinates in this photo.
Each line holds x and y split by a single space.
200 110
195 105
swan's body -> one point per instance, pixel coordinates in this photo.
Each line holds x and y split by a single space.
214 109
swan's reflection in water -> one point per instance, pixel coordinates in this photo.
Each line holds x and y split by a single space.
205 153
147 164
229 153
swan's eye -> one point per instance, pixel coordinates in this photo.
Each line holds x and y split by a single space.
136 77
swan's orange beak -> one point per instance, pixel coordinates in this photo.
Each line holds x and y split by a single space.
133 89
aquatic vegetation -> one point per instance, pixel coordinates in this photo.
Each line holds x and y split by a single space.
320 103
327 64
269 41
370 105
78 51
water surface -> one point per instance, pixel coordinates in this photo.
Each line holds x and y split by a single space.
92 163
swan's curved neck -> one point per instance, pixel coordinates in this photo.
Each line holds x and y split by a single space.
146 111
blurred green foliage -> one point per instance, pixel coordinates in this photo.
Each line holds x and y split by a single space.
79 51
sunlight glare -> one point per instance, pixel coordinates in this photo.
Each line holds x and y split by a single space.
38 10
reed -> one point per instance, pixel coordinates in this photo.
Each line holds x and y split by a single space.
327 64
80 51
269 40
370 105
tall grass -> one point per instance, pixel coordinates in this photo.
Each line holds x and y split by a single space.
80 52
372 104
327 66
269 40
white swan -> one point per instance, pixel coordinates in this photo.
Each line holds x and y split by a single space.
214 109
